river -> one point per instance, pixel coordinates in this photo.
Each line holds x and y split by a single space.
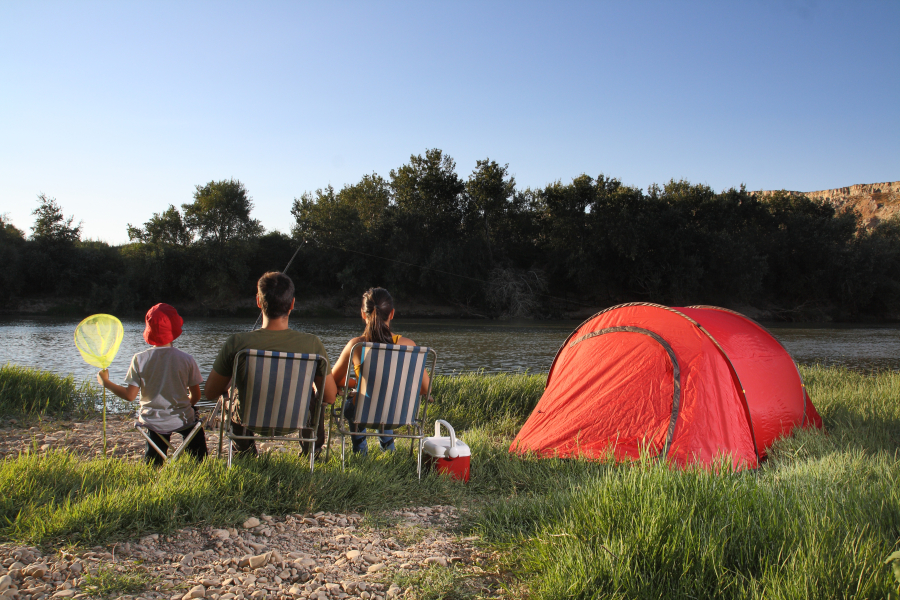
492 346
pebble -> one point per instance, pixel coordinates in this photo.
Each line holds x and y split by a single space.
198 591
258 561
251 523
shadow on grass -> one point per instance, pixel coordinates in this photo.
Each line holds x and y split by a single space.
56 496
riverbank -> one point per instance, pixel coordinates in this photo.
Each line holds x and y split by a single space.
817 520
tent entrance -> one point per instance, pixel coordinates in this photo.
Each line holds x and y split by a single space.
629 401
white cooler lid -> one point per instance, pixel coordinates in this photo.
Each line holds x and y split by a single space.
438 447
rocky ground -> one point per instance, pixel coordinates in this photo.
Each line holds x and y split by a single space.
321 556
85 437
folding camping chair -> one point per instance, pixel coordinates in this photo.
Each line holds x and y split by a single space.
143 428
277 398
386 395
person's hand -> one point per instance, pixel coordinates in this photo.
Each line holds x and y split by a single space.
103 377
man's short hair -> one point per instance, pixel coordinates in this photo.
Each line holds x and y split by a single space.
275 291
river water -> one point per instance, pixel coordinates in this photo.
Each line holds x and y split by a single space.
492 346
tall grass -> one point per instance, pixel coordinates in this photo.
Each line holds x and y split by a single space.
816 521
474 399
30 392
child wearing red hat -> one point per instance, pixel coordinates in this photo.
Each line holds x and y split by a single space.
169 382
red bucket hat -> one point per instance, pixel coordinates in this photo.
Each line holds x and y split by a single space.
163 325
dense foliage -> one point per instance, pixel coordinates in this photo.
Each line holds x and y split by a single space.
478 243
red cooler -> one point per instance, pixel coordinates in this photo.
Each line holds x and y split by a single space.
446 454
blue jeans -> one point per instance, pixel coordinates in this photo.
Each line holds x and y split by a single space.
360 446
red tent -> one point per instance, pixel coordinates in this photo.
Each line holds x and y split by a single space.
687 384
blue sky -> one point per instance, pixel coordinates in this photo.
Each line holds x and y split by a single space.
118 109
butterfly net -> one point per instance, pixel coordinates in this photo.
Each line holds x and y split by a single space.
98 338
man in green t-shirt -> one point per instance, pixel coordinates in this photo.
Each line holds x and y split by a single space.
275 297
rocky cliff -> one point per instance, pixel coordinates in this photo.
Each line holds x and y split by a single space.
874 201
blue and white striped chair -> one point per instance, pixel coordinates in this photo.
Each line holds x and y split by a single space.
277 397
387 393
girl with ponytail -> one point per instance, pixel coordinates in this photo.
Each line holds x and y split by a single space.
377 311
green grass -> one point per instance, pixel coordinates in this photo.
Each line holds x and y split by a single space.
56 496
112 582
474 399
817 520
26 392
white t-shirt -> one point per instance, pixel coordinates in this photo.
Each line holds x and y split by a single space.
164 374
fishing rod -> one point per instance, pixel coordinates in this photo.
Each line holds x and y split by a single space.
409 264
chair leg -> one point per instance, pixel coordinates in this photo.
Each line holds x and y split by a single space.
421 441
328 436
164 455
222 428
187 440
343 452
230 450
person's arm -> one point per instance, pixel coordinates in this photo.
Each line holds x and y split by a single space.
125 393
330 392
339 370
424 387
216 385
194 394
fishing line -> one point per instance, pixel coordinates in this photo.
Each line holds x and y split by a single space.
445 272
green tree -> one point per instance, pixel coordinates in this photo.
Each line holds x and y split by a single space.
50 226
429 190
370 198
12 241
807 246
220 213
489 191
8 231
165 228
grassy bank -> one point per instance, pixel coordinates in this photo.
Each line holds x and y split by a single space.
28 393
816 521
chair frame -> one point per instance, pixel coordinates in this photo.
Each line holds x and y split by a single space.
142 428
225 427
417 423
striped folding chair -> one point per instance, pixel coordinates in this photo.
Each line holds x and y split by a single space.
387 394
276 398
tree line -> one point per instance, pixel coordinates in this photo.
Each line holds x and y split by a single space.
478 243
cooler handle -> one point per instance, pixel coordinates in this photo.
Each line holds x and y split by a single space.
452 452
